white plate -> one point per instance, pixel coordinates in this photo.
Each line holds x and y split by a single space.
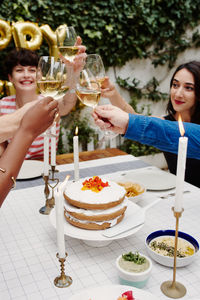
112 292
154 180
30 169
96 235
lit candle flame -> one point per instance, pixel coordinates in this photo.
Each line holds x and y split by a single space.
180 124
76 130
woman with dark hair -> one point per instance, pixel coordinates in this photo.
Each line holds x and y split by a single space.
21 65
184 100
194 68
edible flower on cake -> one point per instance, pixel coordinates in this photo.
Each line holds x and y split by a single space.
94 184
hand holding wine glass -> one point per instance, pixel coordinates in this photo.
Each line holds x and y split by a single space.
95 64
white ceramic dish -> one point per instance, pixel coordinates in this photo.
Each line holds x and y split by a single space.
137 198
30 169
135 279
152 179
112 292
95 237
166 260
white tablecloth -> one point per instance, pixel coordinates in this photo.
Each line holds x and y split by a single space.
28 263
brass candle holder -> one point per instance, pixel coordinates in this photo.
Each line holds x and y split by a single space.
50 202
45 210
62 280
174 289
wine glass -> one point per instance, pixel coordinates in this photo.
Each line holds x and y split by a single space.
64 83
49 76
88 90
95 64
66 39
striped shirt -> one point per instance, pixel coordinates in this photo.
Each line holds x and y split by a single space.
7 106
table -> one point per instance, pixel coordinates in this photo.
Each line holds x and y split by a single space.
89 155
28 241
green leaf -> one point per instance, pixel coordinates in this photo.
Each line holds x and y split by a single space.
109 28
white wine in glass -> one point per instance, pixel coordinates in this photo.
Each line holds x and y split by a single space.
89 98
66 39
88 90
95 64
64 84
49 76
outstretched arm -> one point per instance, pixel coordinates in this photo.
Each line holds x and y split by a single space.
10 123
108 90
35 121
162 134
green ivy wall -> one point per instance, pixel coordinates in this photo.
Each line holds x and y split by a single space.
119 31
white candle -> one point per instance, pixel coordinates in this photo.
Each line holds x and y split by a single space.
76 155
60 218
46 155
53 145
180 171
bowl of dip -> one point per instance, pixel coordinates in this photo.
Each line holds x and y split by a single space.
134 269
160 247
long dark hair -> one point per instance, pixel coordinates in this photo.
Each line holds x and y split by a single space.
194 68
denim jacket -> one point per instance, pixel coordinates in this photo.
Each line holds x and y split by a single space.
163 134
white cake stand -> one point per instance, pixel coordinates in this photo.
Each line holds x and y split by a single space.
134 215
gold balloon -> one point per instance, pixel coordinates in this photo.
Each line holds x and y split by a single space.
1 86
21 31
10 90
5 34
50 37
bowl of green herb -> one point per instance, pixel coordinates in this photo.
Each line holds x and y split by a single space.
134 269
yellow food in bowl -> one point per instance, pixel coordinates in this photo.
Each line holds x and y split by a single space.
165 246
132 189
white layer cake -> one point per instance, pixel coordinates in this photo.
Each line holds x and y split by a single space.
108 197
94 210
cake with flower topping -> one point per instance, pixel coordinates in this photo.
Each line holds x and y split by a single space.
93 203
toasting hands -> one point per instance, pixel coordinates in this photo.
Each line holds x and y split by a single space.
109 117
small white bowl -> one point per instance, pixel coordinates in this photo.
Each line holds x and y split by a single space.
167 260
137 198
135 279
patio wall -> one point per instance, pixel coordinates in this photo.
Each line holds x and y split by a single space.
143 70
